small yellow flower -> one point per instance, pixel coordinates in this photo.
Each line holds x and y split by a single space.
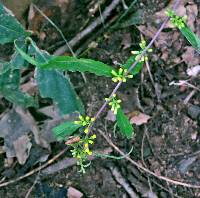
87 118
120 76
85 121
86 145
86 130
135 52
176 20
77 122
114 103
91 141
93 137
138 56
87 150
92 119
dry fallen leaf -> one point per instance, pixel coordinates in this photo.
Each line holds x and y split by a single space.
110 116
192 12
194 71
139 118
74 193
12 126
190 57
52 112
30 87
126 41
22 148
149 32
15 124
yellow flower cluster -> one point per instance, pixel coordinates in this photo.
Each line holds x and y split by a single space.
85 122
87 142
81 150
120 76
142 45
114 103
177 21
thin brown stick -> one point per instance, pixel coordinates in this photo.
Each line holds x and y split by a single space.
164 188
178 183
89 29
191 94
54 168
31 188
35 170
122 181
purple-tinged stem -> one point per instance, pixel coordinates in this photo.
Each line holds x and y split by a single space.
136 62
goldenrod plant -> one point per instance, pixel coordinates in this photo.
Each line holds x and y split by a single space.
53 84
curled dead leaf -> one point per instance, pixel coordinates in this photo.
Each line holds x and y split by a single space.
72 140
22 148
190 57
139 118
194 71
74 193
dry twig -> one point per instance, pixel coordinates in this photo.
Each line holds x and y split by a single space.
35 170
119 178
166 179
89 29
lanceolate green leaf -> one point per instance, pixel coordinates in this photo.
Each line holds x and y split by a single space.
65 129
69 63
10 28
130 62
123 123
191 37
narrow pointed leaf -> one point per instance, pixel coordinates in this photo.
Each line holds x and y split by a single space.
123 123
62 131
191 37
69 63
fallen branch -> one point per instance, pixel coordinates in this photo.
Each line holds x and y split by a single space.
178 183
35 170
119 178
68 162
89 29
55 168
